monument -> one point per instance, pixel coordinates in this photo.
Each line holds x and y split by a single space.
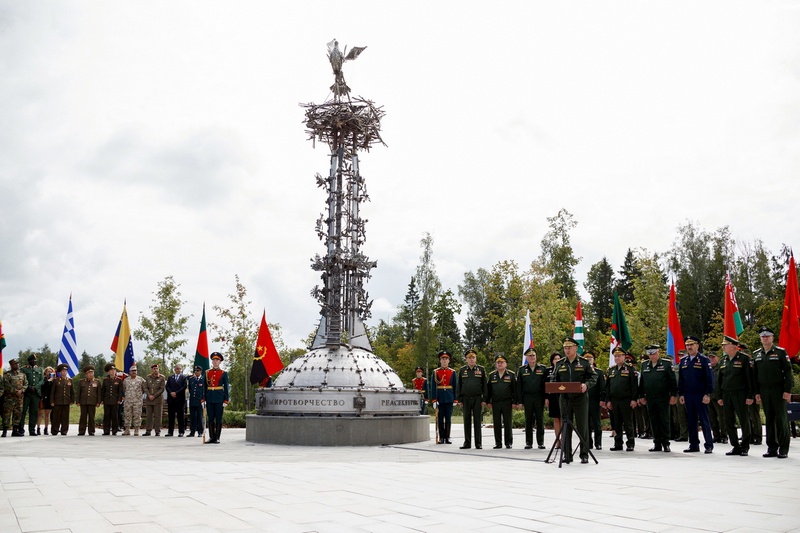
340 393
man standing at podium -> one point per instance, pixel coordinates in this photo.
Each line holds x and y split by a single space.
575 406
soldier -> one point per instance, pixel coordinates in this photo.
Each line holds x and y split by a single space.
621 394
754 409
443 385
216 387
715 410
154 385
176 401
695 385
574 368
681 427
595 397
773 383
642 418
32 396
89 398
196 394
471 384
530 391
133 388
14 385
421 384
735 384
61 397
111 392
501 396
658 389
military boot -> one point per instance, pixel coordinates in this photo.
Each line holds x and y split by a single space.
126 432
136 432
4 432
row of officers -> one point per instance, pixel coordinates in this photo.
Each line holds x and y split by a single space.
730 387
47 394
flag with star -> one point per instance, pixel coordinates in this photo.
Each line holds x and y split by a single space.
266 360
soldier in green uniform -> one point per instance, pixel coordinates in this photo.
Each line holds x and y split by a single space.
575 406
681 427
658 389
62 395
754 409
154 385
501 394
715 409
530 392
773 382
735 383
621 394
14 385
470 386
112 395
595 398
89 398
33 395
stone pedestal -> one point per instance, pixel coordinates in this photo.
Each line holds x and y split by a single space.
337 430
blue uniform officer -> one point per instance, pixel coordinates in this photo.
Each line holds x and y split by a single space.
695 385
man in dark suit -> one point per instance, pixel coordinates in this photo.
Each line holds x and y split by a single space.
176 401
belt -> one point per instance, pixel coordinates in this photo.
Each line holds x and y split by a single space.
214 388
445 387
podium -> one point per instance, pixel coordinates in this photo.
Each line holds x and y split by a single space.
565 387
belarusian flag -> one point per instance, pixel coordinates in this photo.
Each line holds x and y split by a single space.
733 322
620 336
577 333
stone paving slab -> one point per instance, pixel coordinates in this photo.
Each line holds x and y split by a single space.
121 484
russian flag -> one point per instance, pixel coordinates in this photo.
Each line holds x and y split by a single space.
674 334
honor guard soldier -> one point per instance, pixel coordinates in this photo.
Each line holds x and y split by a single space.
154 385
443 384
595 398
14 385
501 396
421 384
112 396
89 398
62 394
196 394
216 386
573 368
32 396
621 394
531 378
695 385
133 391
735 384
469 394
773 381
715 410
658 389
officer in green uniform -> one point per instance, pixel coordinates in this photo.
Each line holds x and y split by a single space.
735 383
470 386
754 409
715 410
14 385
33 395
658 389
531 378
89 398
595 398
621 394
501 394
773 382
575 406
62 395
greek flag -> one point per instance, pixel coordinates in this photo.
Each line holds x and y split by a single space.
68 353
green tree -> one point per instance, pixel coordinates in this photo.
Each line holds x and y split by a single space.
647 313
444 313
627 273
429 287
477 328
557 255
164 328
408 316
552 316
387 339
600 285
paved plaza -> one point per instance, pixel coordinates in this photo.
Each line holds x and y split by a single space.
148 484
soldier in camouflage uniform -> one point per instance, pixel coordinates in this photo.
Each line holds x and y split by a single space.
133 390
154 385
14 385
32 396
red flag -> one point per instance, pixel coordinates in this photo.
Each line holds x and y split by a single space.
675 343
733 322
790 320
201 353
266 360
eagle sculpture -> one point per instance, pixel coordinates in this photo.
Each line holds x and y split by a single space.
337 59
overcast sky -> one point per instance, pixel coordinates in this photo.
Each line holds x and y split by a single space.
145 139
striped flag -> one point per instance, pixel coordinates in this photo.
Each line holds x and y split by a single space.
122 345
527 340
68 352
201 353
577 333
2 346
675 342
620 336
733 321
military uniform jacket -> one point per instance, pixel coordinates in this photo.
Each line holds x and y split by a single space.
471 382
14 381
657 381
501 388
89 392
35 376
695 376
621 384
579 370
717 394
215 383
133 388
196 391
530 381
596 392
154 386
443 385
771 370
111 390
735 375
62 392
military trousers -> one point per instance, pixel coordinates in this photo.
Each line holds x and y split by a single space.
716 413
12 410
658 409
444 420
735 406
501 418
756 428
87 419
575 407
110 418
623 419
133 413
642 417
153 416
60 419
534 413
196 419
30 407
777 421
473 415
595 424
696 411
214 412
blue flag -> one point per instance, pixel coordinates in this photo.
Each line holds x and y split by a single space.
68 353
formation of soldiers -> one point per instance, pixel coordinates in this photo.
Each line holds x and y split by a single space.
708 392
122 397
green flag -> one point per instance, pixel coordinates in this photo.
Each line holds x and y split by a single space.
620 336
201 354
